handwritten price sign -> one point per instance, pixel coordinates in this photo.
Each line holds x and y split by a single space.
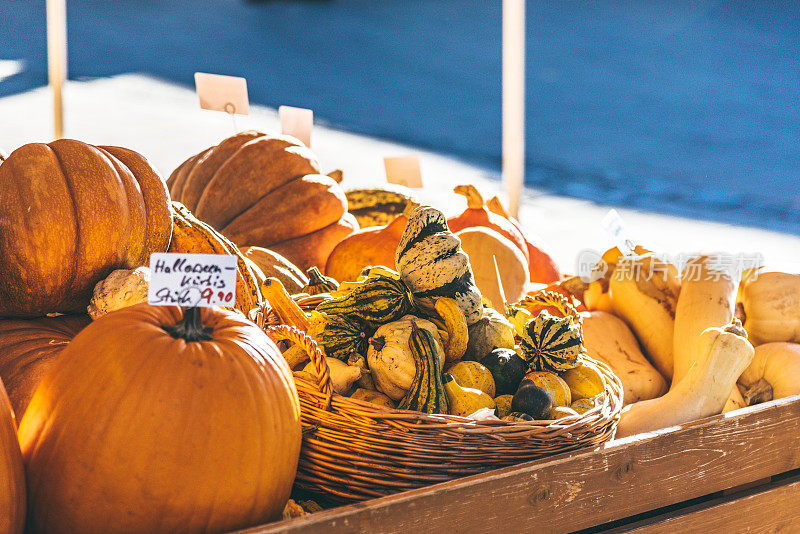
192 280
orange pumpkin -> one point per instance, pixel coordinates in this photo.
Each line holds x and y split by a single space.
28 348
267 191
375 245
543 268
72 213
12 474
156 420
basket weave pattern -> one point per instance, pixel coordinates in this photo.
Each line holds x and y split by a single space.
355 450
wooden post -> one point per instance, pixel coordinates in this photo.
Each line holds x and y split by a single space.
57 59
514 101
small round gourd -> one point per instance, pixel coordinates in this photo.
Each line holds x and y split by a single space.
375 397
490 332
516 417
503 405
584 381
532 400
552 343
554 385
473 375
507 368
583 405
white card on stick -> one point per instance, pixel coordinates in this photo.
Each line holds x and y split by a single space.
615 228
403 170
297 122
192 280
222 93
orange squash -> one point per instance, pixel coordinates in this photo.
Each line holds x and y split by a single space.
543 268
375 245
28 348
156 420
267 191
72 213
12 473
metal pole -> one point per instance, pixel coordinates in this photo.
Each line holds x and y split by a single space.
514 101
57 59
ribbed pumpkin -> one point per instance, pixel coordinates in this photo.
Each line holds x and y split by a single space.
28 348
266 190
552 343
12 473
431 263
273 265
71 214
369 246
158 421
191 235
378 206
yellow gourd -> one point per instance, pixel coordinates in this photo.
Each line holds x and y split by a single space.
456 327
581 406
375 397
563 411
503 405
465 401
725 354
584 381
554 386
473 375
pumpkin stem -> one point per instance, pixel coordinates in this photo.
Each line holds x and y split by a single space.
314 276
378 342
495 205
190 328
474 198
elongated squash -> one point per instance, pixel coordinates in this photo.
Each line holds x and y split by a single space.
779 364
426 393
704 390
771 304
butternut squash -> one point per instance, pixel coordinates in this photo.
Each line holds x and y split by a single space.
771 303
608 339
779 364
724 354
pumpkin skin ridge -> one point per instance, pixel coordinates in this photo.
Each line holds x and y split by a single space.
12 477
251 360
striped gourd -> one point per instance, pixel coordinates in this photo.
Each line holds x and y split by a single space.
432 264
552 343
377 301
426 393
341 336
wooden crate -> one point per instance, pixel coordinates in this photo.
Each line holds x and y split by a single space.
734 470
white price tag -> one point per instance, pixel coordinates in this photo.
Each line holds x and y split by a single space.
222 93
192 280
615 228
403 170
297 122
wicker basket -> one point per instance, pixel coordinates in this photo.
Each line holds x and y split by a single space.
355 450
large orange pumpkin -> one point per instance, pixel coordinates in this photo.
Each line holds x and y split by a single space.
71 214
28 348
153 420
267 191
12 474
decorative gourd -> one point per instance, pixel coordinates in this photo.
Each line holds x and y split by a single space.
704 391
483 245
369 246
378 206
266 190
518 317
465 401
478 215
29 348
427 393
375 397
390 358
12 472
507 368
284 306
431 263
647 305
473 375
191 235
491 331
552 343
273 265
555 302
343 376
584 380
160 420
555 387
456 327
532 400
360 361
503 405
559 412
581 406
71 214
542 267
338 335
121 288
779 364
609 340
771 303
376 301
318 283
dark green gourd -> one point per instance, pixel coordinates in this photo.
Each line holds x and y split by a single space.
426 393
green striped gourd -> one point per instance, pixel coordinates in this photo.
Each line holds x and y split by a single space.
426 393
341 336
551 343
377 301
432 264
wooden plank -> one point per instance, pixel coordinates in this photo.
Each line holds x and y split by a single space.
774 507
575 491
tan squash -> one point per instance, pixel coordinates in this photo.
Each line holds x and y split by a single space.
482 245
609 340
121 288
12 472
771 303
273 265
704 390
779 364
